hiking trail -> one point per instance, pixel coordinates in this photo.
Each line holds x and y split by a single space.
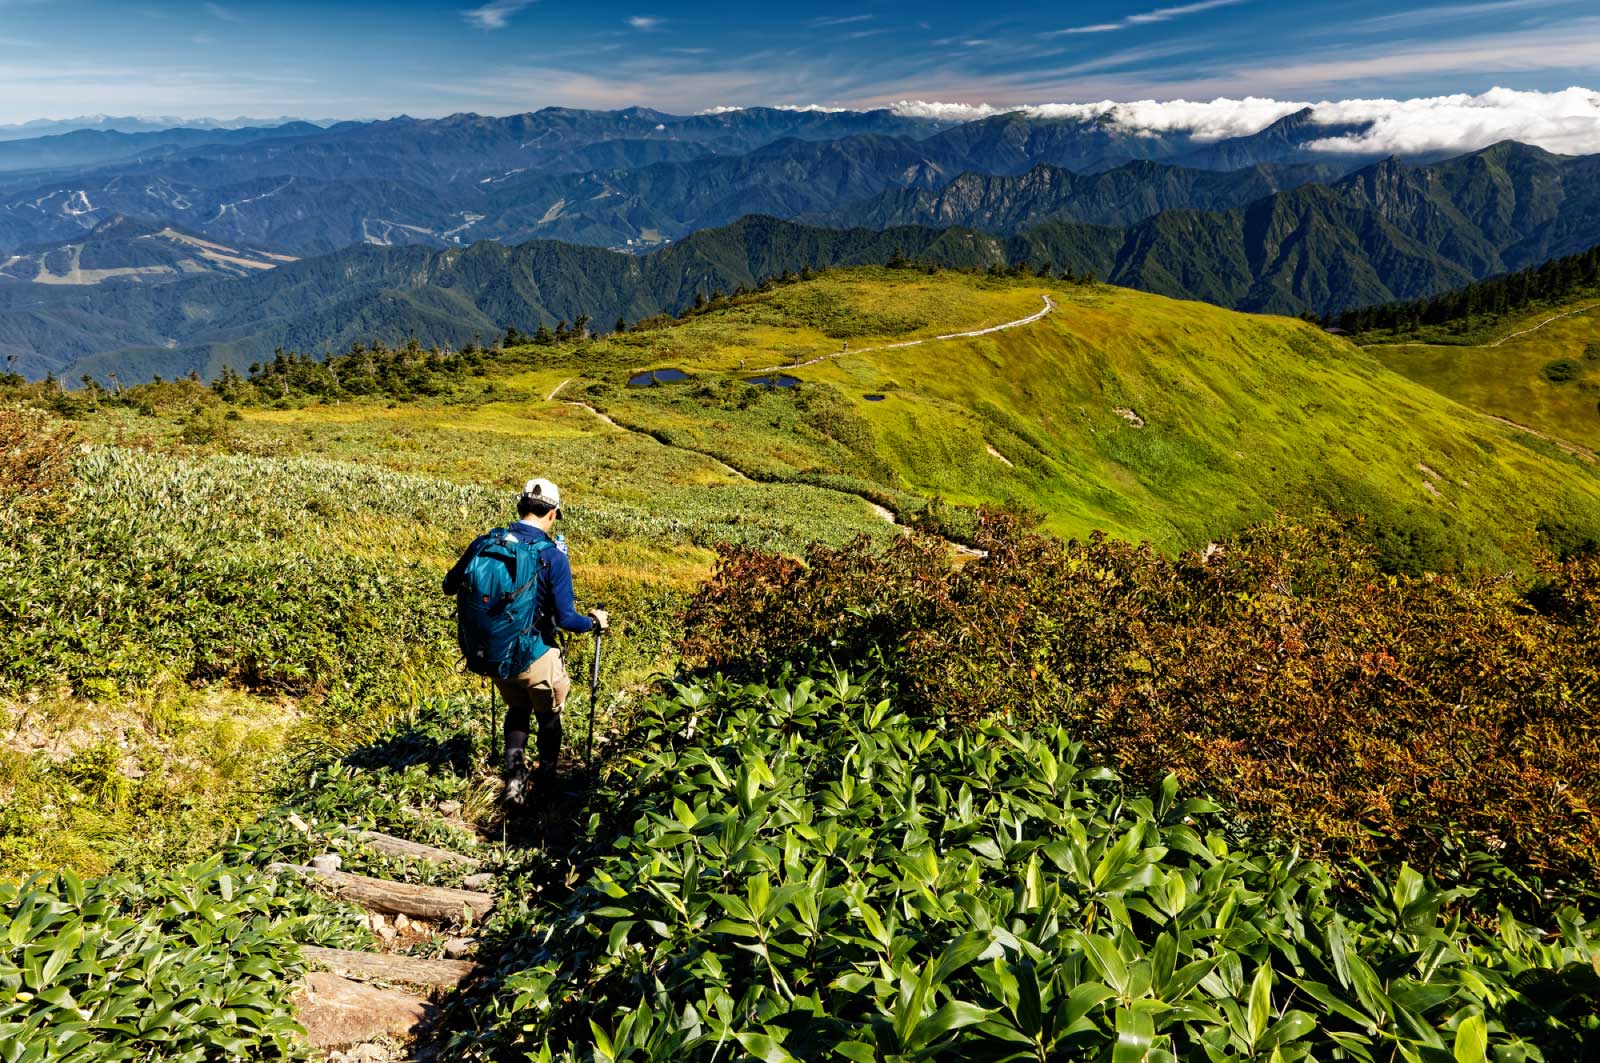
1540 325
1495 343
1049 306
884 513
349 1006
1571 448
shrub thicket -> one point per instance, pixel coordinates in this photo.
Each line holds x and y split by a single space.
801 872
35 462
1442 721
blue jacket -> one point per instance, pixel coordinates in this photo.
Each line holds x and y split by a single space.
555 607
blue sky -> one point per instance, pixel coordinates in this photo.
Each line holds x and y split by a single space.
369 59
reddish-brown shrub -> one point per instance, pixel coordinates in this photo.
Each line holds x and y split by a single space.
35 461
1359 713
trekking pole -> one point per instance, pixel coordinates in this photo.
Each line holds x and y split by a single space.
594 697
494 728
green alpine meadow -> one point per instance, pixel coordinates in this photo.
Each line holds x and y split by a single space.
1003 666
590 533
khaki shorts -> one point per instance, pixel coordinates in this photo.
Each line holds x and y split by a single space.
540 686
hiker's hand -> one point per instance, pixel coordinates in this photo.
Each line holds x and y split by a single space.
601 620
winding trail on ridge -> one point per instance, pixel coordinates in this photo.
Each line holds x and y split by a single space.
1049 305
960 550
1496 343
1542 324
1574 449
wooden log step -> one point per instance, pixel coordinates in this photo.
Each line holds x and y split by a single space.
336 1011
389 845
389 967
438 903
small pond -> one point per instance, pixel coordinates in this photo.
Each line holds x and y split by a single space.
777 380
657 376
874 398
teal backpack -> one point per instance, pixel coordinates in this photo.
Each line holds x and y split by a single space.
497 603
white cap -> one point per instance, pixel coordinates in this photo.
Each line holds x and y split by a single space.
544 491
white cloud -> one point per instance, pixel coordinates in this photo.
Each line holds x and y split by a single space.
1567 122
1162 14
645 22
495 14
1439 14
224 13
839 20
806 107
948 112
1213 120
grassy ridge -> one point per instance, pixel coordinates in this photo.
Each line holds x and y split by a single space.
1547 378
1139 415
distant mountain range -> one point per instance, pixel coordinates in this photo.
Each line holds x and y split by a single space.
632 178
45 127
176 250
1388 231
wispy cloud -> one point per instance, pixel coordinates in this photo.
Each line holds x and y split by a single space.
1440 13
645 22
824 21
226 14
1161 14
495 14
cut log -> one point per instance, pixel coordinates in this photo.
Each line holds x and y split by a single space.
389 845
337 1011
380 895
389 967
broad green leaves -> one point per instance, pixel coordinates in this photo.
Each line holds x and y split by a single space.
195 965
836 881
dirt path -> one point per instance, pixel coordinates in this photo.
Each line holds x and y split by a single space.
552 396
718 462
1540 325
1496 343
1049 305
884 513
1571 448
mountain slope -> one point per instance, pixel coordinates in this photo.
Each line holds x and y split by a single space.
1121 196
400 180
1152 418
1541 371
125 250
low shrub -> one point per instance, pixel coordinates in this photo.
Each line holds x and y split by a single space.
35 462
1562 371
192 966
1442 721
801 872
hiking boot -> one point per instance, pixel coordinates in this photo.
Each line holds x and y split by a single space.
515 794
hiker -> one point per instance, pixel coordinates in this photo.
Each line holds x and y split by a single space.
513 589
